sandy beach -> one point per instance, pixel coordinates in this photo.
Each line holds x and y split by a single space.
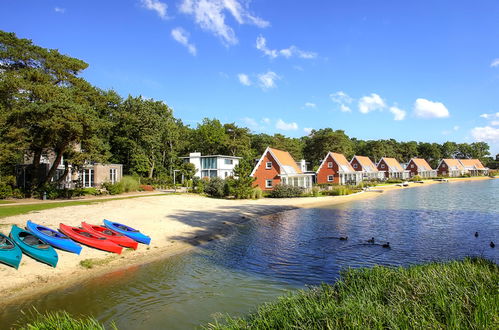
175 223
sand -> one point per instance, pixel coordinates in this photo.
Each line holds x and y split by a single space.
175 223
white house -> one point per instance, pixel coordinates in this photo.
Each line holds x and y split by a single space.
212 165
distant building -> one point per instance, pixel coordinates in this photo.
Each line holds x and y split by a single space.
419 166
474 167
364 165
212 165
278 167
450 168
392 169
335 168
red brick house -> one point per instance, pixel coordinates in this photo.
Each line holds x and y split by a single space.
450 167
278 167
335 168
392 169
364 165
419 166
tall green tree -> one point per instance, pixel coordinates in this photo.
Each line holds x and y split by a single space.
210 137
320 142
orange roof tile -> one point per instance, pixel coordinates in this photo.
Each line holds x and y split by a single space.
472 163
422 164
285 159
453 164
366 163
393 164
342 162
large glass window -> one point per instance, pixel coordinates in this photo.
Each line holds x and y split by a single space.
208 163
88 178
113 175
228 161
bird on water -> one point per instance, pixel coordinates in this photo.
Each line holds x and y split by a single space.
343 238
386 245
371 240
492 245
476 234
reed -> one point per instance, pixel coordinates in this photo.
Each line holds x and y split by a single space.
456 294
61 320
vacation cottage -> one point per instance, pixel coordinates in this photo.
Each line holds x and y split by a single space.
278 167
392 169
419 166
450 167
364 165
474 167
211 166
335 168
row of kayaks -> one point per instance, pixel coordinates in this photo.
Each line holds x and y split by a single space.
38 241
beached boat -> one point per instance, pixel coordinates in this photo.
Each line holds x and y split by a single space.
10 253
128 231
85 237
34 246
53 237
111 235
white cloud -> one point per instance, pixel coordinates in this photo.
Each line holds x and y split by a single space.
244 79
456 128
495 63
182 36
310 105
494 123
486 134
342 99
60 10
398 114
261 44
267 80
250 122
345 108
490 115
155 5
210 16
371 103
266 120
282 125
424 108
307 130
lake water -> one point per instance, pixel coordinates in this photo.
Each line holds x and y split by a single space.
270 255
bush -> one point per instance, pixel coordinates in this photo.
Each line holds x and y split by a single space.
113 188
316 192
215 187
146 187
416 178
5 190
90 191
256 193
392 180
129 183
285 191
339 191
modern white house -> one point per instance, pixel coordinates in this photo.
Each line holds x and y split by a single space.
212 165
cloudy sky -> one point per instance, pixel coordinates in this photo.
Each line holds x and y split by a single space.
411 70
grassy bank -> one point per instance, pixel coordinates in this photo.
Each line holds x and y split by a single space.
456 294
61 321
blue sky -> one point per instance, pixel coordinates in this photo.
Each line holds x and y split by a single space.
409 70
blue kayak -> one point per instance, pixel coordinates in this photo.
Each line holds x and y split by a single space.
128 231
33 246
53 237
10 253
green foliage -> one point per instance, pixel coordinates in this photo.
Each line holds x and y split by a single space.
61 320
320 142
393 180
452 295
242 183
215 187
256 193
114 188
5 190
129 183
91 191
316 191
285 191
416 178
339 191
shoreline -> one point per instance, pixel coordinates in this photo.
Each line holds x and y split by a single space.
177 224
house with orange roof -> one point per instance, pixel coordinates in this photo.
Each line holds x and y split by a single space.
450 167
392 169
364 165
474 167
278 167
335 168
419 166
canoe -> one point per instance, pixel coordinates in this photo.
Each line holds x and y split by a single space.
85 237
111 235
53 237
34 246
10 253
128 231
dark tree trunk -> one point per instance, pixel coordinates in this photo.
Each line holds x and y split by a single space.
54 166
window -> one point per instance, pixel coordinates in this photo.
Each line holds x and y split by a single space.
112 175
228 161
382 165
268 183
208 163
443 165
268 165
88 178
330 178
330 165
355 166
412 165
226 174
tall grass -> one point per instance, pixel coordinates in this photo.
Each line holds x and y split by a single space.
454 295
61 321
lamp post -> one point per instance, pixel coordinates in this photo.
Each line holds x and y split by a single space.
174 184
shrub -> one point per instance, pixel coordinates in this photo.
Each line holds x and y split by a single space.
284 191
316 192
339 191
215 187
113 188
392 180
5 190
146 187
90 191
256 193
129 183
416 178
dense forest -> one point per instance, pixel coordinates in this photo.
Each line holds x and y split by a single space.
46 105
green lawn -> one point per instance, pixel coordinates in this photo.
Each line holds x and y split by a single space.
454 295
7 211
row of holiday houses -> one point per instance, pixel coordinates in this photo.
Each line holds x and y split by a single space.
278 167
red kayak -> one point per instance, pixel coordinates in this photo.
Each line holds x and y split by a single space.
111 235
85 237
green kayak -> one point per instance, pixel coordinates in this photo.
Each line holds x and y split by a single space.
33 246
10 253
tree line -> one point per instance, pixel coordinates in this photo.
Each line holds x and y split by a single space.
45 104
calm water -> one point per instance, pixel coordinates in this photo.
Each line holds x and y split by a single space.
273 254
